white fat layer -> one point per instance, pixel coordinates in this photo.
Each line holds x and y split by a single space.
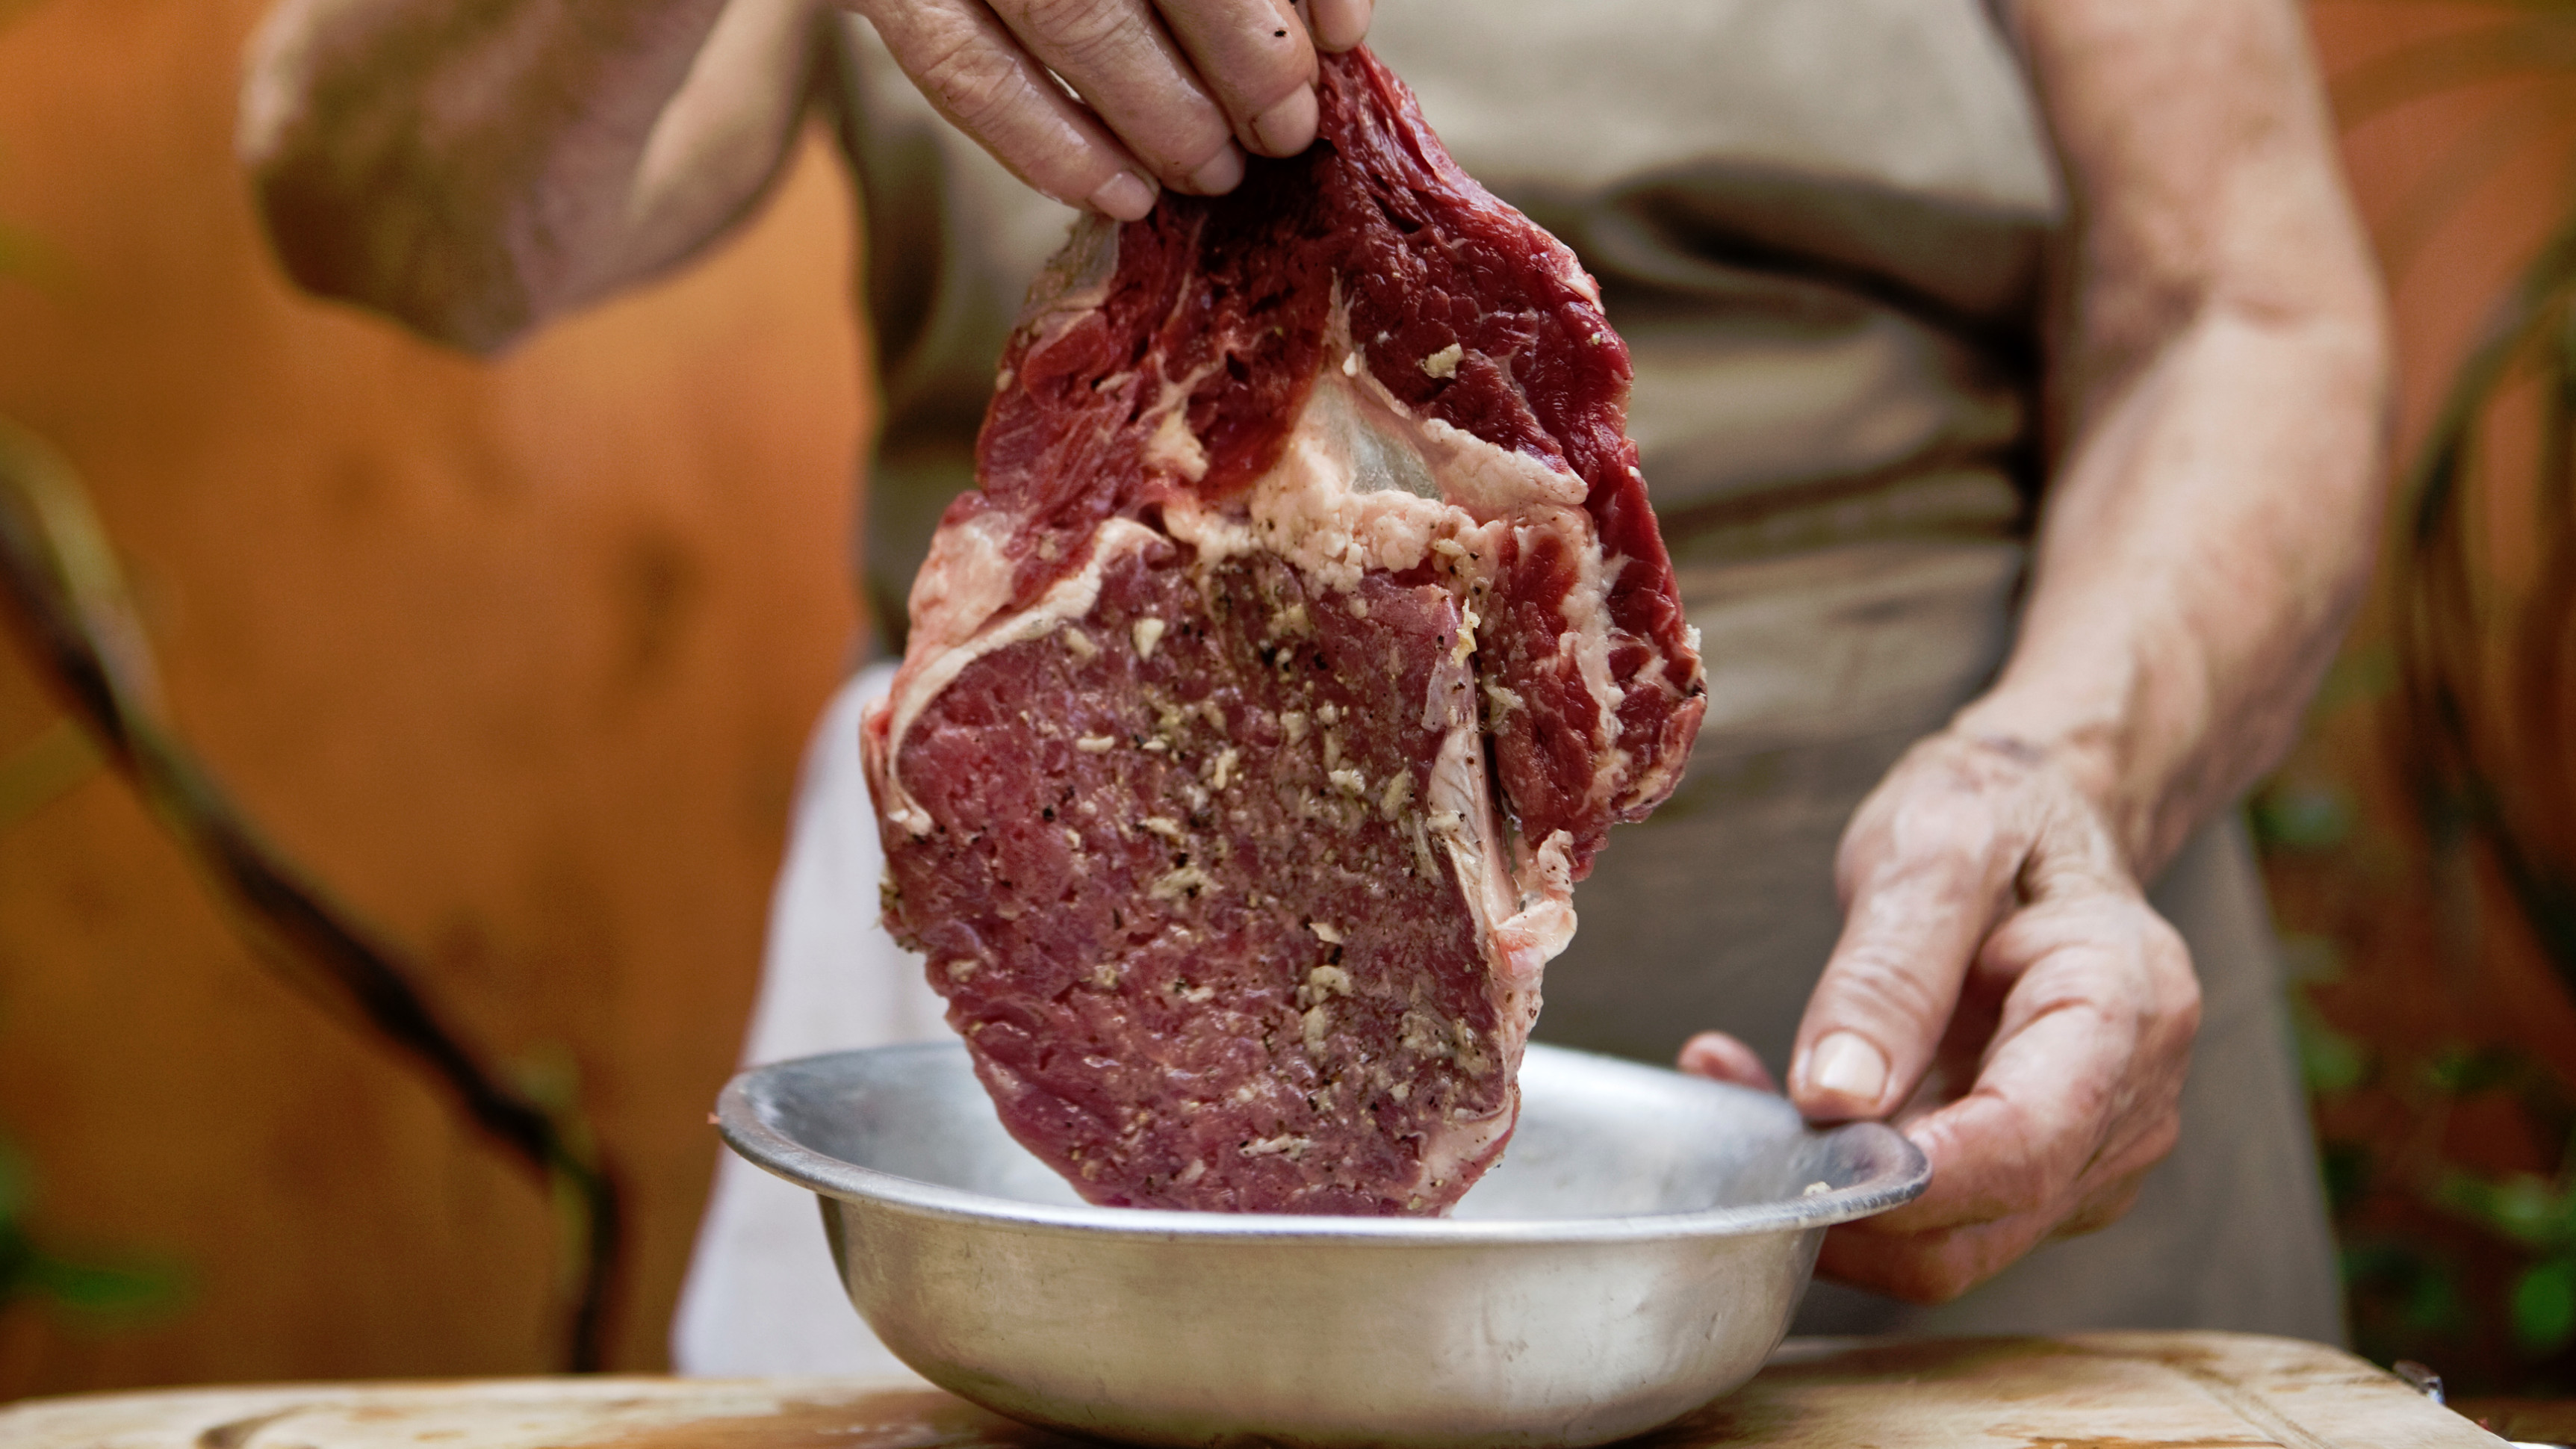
1580 279
1069 598
1462 818
1171 446
1544 924
1528 915
1528 921
1588 643
1447 1151
1346 496
965 581
1362 483
1489 480
1476 475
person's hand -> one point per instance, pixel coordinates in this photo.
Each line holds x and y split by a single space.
2003 992
1168 92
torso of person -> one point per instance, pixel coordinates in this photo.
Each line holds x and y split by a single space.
1820 228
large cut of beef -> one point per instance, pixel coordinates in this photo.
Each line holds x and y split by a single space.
1305 638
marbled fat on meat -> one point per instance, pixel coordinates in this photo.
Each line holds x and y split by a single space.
1306 636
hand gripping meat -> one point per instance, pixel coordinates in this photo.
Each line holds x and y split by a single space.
1306 636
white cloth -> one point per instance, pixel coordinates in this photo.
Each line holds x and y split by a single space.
762 1296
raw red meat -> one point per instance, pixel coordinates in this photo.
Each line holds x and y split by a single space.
1308 633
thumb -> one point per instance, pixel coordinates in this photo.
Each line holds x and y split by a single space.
1915 921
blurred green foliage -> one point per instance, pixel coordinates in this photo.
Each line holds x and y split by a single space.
2470 1269
2539 1215
95 1290
2303 817
2330 1062
2428 852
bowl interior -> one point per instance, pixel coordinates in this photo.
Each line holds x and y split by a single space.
1598 1138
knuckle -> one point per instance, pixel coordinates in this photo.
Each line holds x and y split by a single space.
1265 75
1943 830
970 83
2100 1212
2032 1181
2157 936
2178 1015
1091 37
2006 1160
2166 960
2161 1137
2024 939
1080 29
1880 977
1936 852
2108 952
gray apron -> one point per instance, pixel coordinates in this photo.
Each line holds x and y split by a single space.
1819 228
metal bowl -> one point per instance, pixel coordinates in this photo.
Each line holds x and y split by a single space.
1638 1252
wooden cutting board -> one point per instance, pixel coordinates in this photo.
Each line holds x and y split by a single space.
2101 1391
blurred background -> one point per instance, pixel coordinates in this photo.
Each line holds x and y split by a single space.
515 662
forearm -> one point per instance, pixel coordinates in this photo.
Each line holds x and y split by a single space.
2001 987
2221 376
2203 549
473 168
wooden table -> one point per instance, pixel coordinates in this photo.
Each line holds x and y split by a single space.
2104 1391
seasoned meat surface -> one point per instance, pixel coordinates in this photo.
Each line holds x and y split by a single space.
1307 634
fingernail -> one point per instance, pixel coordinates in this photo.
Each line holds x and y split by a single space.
1219 173
1126 196
1288 127
1847 1065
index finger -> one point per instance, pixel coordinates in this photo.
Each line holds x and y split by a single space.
2080 1083
2024 1133
2007 1161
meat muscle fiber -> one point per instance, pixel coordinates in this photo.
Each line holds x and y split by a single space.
1307 634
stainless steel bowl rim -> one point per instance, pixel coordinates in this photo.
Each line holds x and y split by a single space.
738 1119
